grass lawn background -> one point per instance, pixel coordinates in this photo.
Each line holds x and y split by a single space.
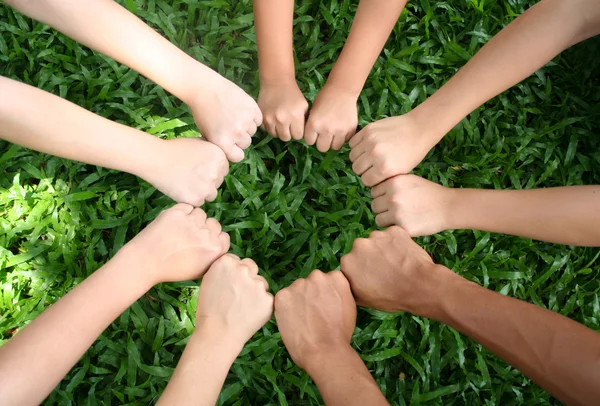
293 209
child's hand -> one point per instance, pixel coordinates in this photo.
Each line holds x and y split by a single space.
332 120
315 316
180 244
188 170
389 147
283 107
226 116
234 302
417 205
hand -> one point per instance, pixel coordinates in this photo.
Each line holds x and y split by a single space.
188 170
315 315
389 147
283 107
332 120
180 244
417 205
226 115
390 272
233 300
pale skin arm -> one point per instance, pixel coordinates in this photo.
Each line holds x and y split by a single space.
179 245
524 46
562 215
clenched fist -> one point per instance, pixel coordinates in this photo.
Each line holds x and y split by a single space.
180 244
233 300
283 107
315 316
389 272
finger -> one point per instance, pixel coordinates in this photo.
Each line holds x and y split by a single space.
339 279
357 139
182 207
350 134
297 129
235 153
262 281
376 235
213 226
379 190
310 133
316 275
199 216
270 128
283 132
232 257
384 219
258 117
224 241
362 164
371 178
338 142
324 142
358 151
244 141
251 128
379 205
252 267
212 195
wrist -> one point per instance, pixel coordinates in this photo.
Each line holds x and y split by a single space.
344 88
445 283
215 335
145 158
132 269
313 361
279 79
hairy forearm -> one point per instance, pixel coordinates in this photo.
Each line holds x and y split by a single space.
525 45
38 357
108 28
274 27
39 120
201 371
344 380
562 215
371 28
560 355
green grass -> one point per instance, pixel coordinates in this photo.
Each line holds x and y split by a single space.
293 209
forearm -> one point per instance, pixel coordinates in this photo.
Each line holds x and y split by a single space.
371 28
560 355
201 371
274 27
39 120
525 45
38 357
344 380
124 37
562 215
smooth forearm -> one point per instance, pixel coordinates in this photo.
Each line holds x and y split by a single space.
370 30
39 120
344 380
124 37
563 215
525 45
274 26
557 353
201 371
38 357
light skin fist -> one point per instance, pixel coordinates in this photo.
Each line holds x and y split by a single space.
179 245
188 170
233 300
389 147
283 107
417 205
332 120
315 315
226 116
389 272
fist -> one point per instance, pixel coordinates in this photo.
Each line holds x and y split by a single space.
188 170
386 148
332 120
180 244
315 315
417 205
283 107
226 116
233 299
390 272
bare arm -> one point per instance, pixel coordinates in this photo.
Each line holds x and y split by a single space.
38 357
389 272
